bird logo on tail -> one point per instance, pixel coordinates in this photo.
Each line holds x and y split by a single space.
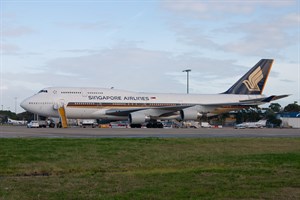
253 80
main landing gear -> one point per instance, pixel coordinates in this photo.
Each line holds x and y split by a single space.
136 125
155 124
149 125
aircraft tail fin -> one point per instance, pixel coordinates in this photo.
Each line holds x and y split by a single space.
253 82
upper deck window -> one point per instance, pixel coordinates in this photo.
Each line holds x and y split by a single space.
72 92
43 91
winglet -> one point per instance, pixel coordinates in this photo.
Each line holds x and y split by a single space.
253 82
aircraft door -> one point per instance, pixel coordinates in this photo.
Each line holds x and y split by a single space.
61 103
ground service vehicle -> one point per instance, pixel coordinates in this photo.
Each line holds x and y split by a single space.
33 124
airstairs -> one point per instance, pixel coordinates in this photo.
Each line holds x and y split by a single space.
62 115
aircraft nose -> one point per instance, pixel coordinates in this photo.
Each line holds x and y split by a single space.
24 104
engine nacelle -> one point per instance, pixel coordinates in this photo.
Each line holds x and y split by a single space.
190 114
138 118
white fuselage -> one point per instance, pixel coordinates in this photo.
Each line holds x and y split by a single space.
88 103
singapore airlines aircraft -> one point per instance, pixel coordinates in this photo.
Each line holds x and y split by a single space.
139 108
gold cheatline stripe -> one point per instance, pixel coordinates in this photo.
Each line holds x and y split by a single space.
123 105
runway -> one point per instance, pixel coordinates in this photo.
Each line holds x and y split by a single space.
76 132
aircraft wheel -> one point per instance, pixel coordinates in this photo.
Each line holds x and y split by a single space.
154 125
160 125
149 125
135 125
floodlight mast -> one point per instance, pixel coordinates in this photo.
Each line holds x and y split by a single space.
187 79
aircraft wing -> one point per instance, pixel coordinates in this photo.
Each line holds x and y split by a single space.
190 111
157 110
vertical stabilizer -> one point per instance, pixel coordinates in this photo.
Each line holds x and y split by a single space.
253 82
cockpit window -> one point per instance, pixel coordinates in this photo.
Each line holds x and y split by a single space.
43 91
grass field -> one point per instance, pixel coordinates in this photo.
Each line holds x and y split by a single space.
150 168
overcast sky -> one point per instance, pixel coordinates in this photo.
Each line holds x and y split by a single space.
143 46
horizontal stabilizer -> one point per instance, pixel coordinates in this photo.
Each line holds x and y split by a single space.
274 97
262 100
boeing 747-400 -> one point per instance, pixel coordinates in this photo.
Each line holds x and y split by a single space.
139 108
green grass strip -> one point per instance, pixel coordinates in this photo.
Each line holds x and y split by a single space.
150 168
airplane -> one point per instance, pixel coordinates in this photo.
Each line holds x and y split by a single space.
139 108
258 124
16 122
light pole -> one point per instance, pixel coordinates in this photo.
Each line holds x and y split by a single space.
187 79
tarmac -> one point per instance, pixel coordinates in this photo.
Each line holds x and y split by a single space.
76 132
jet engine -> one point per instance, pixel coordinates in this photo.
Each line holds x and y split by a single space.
138 118
195 112
190 114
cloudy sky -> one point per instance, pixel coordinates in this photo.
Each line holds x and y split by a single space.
145 45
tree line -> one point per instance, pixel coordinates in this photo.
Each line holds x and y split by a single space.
253 114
